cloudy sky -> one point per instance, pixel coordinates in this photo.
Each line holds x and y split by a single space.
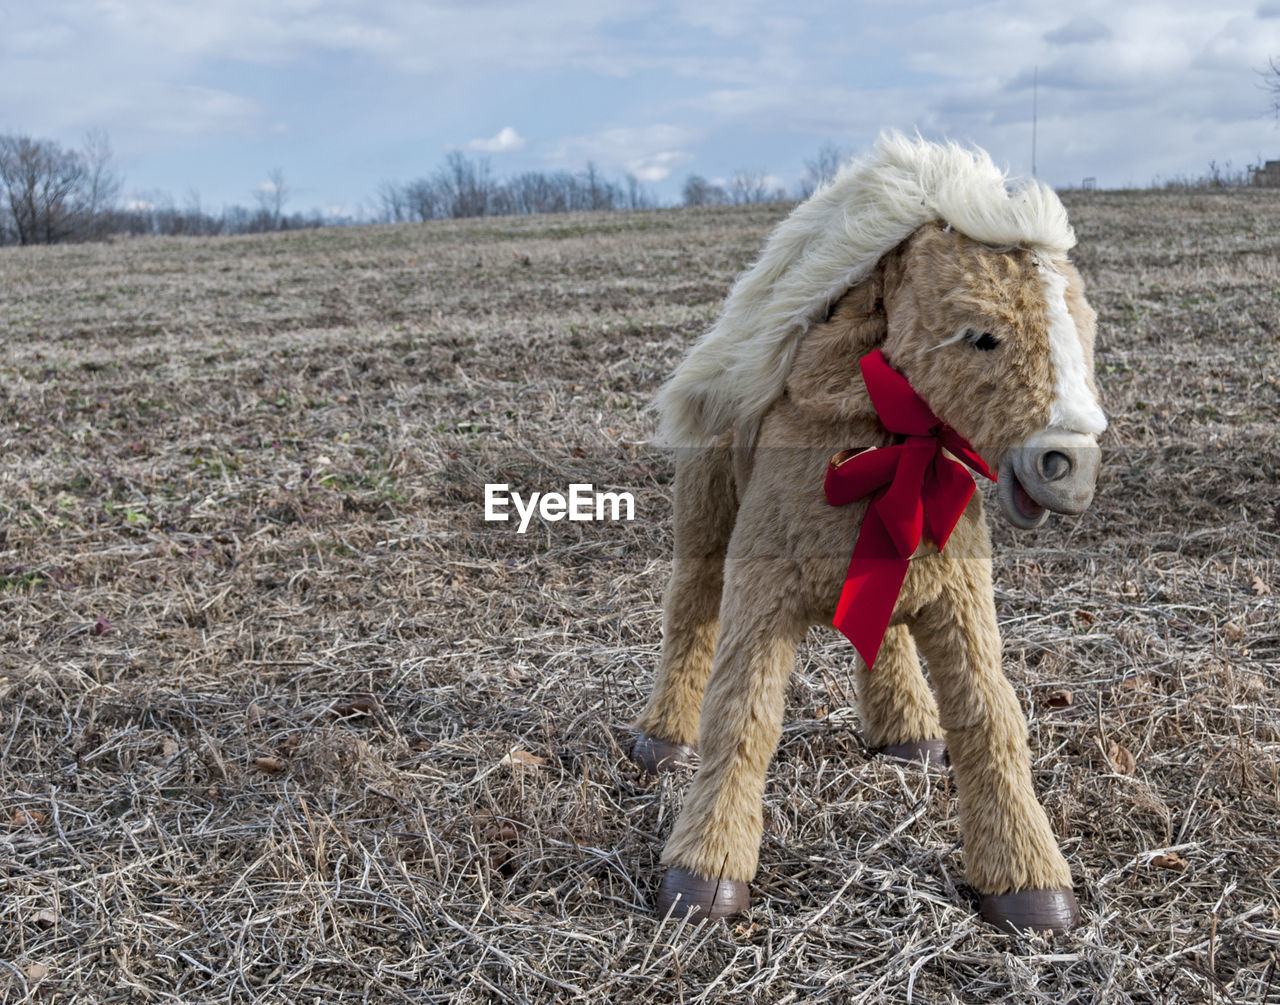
343 94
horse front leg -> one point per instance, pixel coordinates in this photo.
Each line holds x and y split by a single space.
713 850
1011 855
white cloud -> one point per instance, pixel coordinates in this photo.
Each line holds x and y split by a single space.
176 109
738 18
1125 93
846 116
1125 89
1078 31
650 153
658 166
56 54
506 140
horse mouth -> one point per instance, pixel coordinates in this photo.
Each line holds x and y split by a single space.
1016 503
1052 471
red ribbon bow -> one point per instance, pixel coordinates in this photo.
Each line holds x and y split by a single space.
917 488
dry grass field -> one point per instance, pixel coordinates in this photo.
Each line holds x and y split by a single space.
282 719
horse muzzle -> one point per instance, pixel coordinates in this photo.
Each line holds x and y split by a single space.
1054 470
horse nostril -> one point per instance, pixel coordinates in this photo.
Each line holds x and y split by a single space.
1053 465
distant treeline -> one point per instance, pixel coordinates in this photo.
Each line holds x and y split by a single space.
166 218
465 186
50 193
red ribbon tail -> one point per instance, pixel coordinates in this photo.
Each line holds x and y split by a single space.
869 594
950 487
901 508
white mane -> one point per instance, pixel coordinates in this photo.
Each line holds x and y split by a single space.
829 243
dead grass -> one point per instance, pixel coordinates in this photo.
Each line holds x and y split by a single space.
283 719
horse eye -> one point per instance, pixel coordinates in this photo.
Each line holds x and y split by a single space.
981 340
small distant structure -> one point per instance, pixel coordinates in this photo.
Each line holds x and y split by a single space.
1089 184
1267 175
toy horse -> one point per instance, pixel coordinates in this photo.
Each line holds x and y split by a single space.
913 324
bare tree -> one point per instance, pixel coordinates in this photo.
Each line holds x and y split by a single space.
272 195
42 185
1271 80
820 169
423 200
750 186
600 193
392 199
700 192
194 220
465 185
102 184
538 192
637 196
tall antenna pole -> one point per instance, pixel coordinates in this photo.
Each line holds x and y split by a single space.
1035 100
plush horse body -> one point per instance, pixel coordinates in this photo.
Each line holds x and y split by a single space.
921 257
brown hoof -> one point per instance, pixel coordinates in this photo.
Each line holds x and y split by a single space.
684 892
1031 910
932 751
657 756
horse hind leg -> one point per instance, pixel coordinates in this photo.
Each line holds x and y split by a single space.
706 506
